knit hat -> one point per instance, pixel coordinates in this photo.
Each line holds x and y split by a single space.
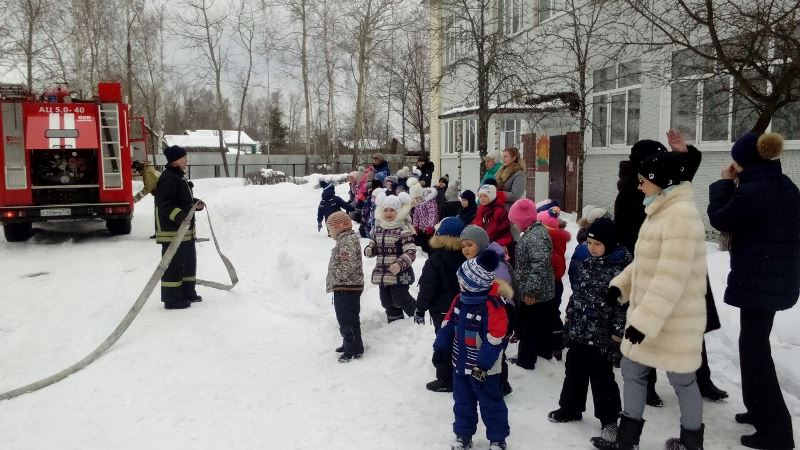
403 173
325 184
546 204
391 201
491 182
604 230
488 190
645 149
753 148
661 169
353 174
549 217
445 179
375 184
338 220
494 155
477 235
469 196
450 226
415 189
378 156
522 213
392 179
174 153
477 274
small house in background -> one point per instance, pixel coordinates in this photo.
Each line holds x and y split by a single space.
193 144
232 141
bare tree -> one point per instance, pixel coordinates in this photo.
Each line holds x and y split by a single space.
327 19
371 21
754 43
24 23
203 28
581 38
295 104
485 53
246 37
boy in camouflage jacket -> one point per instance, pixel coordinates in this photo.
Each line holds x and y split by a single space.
346 280
595 329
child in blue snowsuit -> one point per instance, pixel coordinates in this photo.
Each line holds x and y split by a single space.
330 203
476 329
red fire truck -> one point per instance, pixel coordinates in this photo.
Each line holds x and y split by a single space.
64 158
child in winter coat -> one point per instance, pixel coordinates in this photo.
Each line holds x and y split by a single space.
595 330
425 215
590 214
468 206
475 328
393 245
492 215
330 203
534 275
346 281
438 285
560 237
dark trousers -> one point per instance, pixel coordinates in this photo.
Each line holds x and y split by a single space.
443 373
557 326
533 325
468 395
178 281
760 389
347 305
586 364
396 300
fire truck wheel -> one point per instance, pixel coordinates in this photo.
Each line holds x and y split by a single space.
119 226
17 232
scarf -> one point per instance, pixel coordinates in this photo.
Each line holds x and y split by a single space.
505 173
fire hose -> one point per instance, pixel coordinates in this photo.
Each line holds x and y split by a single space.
136 308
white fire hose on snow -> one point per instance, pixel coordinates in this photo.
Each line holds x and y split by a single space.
134 311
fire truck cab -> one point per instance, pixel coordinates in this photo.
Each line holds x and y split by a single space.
64 158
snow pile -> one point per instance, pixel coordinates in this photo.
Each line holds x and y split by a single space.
255 368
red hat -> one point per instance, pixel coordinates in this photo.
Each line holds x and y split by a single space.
522 213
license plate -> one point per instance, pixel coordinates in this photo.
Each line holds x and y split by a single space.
55 212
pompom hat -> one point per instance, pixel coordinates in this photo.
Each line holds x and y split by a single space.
522 213
753 148
477 274
488 190
477 235
549 217
604 231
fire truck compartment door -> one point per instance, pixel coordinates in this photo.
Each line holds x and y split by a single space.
13 147
61 125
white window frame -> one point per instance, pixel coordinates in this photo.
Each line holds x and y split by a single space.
469 139
515 130
512 16
612 92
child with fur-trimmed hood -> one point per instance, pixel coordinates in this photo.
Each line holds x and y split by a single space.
346 280
475 328
393 246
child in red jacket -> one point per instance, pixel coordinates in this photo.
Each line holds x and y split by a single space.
493 217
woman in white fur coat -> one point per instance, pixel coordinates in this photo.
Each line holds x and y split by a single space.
665 288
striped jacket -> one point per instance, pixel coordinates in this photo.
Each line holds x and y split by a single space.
476 328
174 199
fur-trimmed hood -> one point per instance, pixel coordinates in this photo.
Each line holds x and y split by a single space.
446 242
502 288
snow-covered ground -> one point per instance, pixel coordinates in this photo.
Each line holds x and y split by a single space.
254 368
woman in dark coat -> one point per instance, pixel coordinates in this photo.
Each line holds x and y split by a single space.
762 213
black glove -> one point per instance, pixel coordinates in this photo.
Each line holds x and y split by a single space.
419 317
479 375
440 358
612 296
319 226
634 335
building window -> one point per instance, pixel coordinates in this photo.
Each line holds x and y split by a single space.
457 40
547 9
511 15
512 130
616 105
459 135
709 107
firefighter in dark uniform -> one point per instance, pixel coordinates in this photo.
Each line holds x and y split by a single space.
174 198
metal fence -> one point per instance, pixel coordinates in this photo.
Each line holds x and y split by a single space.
195 171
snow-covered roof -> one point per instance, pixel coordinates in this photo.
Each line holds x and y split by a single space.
228 135
193 141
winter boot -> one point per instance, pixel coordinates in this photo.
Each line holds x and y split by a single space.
177 305
497 445
710 391
507 389
461 443
347 357
340 349
745 417
608 432
561 415
689 440
628 433
653 399
439 386
762 441
197 298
